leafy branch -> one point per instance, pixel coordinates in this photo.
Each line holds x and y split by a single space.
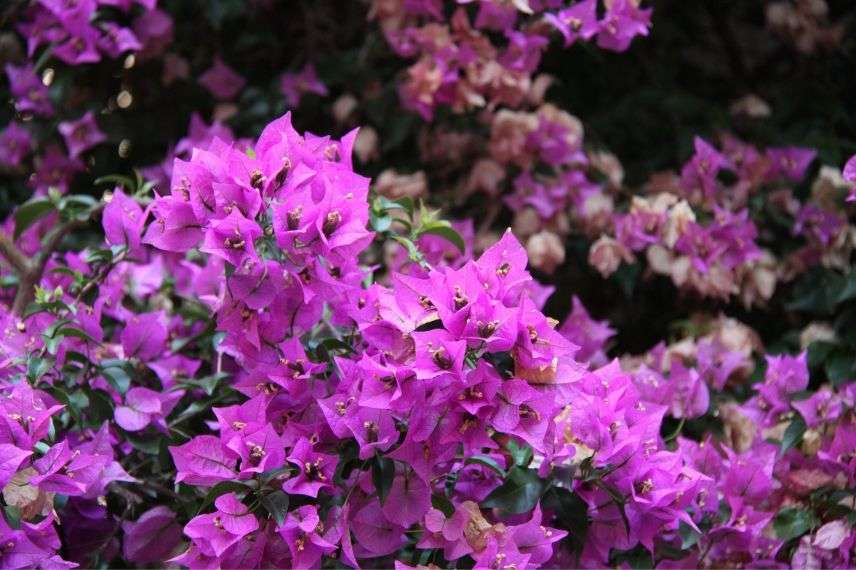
30 271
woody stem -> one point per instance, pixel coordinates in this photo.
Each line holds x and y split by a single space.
30 272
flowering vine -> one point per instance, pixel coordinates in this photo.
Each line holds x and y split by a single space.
250 354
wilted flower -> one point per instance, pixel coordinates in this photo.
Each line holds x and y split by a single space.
546 251
606 254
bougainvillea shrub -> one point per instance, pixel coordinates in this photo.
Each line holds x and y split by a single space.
419 283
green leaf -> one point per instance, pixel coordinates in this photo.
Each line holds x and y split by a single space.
724 511
801 395
118 377
487 462
190 411
58 331
817 292
689 535
30 212
79 401
217 339
522 455
99 256
164 457
55 326
407 204
442 504
380 223
412 251
74 356
37 367
348 461
383 204
849 291
637 558
267 476
77 333
383 471
445 230
571 514
666 551
67 271
518 494
76 207
64 399
818 352
840 366
52 344
77 199
276 504
45 307
117 179
13 516
627 276
207 383
793 434
145 443
676 432
325 349
100 408
221 489
792 522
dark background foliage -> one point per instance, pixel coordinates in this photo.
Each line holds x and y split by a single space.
647 104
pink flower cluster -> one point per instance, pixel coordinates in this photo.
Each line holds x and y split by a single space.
76 38
55 168
269 362
459 64
75 33
741 480
294 195
545 150
435 338
34 473
697 230
442 415
289 219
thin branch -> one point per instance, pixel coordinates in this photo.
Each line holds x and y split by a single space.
33 275
16 258
157 487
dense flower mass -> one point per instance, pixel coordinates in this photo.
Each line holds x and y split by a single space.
248 353
448 372
459 65
76 38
